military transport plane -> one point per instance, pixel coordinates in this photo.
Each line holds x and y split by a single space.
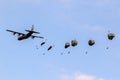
22 36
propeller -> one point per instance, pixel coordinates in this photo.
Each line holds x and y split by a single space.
19 34
14 33
32 37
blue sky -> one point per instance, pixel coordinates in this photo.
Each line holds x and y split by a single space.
60 21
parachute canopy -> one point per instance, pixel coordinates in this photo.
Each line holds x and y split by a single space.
74 43
50 47
91 42
111 36
42 43
67 44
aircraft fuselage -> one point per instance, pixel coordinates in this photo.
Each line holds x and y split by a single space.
25 36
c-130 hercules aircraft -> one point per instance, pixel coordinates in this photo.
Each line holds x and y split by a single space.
22 36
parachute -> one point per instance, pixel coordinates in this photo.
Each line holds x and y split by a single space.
74 43
91 42
111 36
67 44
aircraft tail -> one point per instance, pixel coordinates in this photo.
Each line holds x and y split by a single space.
32 30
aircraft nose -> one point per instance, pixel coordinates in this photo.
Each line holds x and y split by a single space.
19 38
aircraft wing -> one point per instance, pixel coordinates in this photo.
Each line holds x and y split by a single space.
36 36
14 32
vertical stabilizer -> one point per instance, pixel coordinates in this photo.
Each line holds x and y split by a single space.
32 29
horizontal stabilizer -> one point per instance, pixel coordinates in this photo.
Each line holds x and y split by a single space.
36 37
32 31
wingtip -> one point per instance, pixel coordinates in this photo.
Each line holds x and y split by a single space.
42 37
7 30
